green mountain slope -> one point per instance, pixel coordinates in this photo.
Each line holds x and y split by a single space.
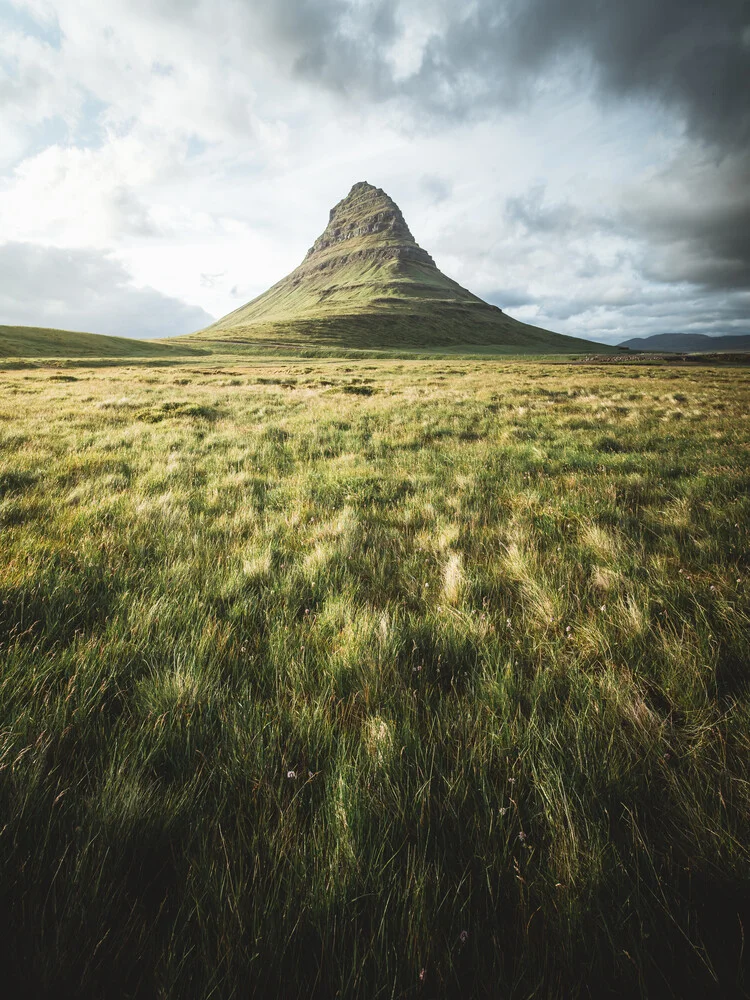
39 342
366 283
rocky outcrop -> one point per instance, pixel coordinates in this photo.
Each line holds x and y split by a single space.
367 211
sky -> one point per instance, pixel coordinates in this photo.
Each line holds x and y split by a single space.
583 164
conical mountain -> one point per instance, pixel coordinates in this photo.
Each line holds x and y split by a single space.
366 282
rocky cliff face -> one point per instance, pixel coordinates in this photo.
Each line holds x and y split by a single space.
367 213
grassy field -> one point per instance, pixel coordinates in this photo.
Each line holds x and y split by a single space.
374 679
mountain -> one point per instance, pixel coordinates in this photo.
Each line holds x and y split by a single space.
688 342
40 342
365 282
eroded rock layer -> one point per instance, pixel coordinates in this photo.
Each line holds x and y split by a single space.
367 213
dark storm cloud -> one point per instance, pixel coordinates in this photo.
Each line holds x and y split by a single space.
696 220
690 55
338 43
86 290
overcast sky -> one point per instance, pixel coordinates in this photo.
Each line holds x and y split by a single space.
584 164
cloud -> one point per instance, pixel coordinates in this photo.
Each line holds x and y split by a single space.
695 219
661 309
690 222
86 290
586 273
436 188
202 62
531 213
689 55
209 280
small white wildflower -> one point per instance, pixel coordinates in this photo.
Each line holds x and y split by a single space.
291 774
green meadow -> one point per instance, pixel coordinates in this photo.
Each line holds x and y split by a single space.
374 678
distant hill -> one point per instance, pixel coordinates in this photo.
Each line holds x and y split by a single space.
39 342
366 283
688 342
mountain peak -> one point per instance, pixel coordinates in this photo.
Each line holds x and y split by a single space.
369 217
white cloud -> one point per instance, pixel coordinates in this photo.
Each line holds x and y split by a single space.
86 290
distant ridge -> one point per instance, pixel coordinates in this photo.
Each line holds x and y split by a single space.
683 342
366 283
41 342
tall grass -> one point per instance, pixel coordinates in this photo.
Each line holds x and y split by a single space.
374 679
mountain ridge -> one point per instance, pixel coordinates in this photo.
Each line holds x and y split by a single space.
681 342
